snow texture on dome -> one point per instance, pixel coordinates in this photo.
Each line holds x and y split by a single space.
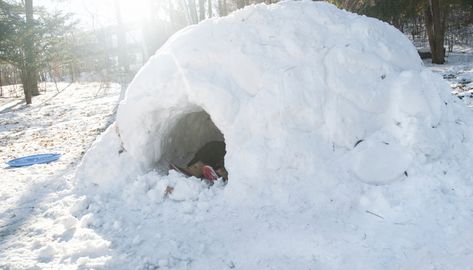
320 109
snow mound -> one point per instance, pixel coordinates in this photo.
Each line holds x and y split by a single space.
285 97
323 112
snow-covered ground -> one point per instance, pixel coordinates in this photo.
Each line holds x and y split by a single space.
458 71
34 213
49 220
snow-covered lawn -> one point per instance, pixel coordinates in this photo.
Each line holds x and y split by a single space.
35 200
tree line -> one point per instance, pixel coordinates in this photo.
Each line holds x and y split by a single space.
439 22
31 43
443 21
41 44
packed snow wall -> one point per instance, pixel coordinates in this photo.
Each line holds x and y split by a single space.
306 96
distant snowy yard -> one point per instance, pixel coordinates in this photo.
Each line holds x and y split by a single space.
458 71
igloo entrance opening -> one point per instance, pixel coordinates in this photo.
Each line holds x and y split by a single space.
189 133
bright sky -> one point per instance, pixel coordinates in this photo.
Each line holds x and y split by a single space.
98 13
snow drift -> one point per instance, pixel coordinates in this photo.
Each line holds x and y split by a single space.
324 113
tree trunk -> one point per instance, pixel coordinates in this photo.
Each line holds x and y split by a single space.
124 66
72 74
1 84
172 19
209 11
201 10
222 8
26 86
193 11
34 82
30 85
435 31
240 4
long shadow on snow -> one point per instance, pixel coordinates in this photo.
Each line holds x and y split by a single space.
26 208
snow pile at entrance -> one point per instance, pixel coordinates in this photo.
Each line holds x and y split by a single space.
329 118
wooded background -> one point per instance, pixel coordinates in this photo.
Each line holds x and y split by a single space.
39 45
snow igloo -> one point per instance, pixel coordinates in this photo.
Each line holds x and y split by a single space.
305 96
343 151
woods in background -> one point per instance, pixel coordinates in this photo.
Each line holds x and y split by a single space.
38 45
439 22
179 14
32 44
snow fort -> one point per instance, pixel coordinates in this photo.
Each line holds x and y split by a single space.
324 113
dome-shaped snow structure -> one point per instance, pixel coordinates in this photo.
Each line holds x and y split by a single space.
320 109
285 97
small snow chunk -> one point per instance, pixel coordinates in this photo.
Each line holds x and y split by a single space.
68 222
379 162
80 205
87 220
116 225
46 253
137 240
163 262
187 189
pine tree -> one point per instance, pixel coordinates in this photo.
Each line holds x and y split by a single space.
33 44
30 75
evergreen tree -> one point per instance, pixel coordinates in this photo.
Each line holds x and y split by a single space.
33 43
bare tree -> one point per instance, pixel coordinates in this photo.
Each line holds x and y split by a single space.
222 8
240 3
192 11
435 26
209 7
201 10
123 63
30 86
